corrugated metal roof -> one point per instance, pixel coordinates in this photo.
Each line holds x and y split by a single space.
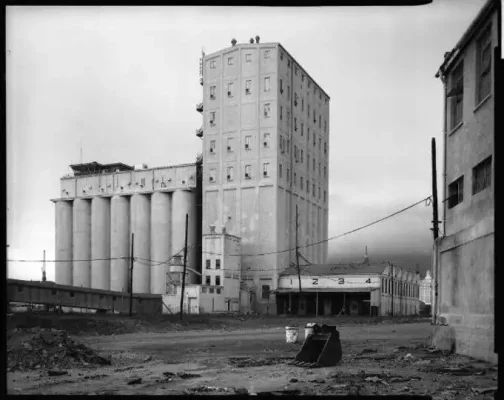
336 269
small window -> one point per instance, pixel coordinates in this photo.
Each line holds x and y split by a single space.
212 146
230 177
266 53
114 298
296 71
279 170
204 289
230 61
217 264
320 121
230 89
212 176
302 157
208 264
325 147
288 92
320 144
319 195
212 118
288 63
314 164
248 57
212 64
456 192
267 110
325 196
211 290
302 129
281 56
295 153
266 140
248 172
218 291
288 174
266 170
314 139
212 92
217 281
248 87
295 124
307 186
265 292
313 191
207 280
72 294
456 94
229 144
294 180
247 142
308 107
301 183
281 113
302 104
281 144
281 86
482 175
325 126
484 65
20 288
288 145
267 85
325 172
308 160
53 292
319 169
314 116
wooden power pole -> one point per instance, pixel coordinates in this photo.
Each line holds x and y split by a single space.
435 221
185 268
131 275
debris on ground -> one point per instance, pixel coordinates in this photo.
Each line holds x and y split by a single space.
56 372
244 362
134 381
50 348
184 375
293 380
241 391
484 390
366 351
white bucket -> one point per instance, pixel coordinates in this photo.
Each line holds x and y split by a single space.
291 334
308 331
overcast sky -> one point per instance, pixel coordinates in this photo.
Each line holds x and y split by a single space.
122 82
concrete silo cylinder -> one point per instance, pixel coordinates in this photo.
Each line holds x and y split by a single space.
63 243
100 243
161 246
140 226
119 243
82 243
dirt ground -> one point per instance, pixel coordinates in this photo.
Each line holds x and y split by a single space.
228 355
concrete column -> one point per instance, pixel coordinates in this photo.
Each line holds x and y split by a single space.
82 242
63 243
119 243
100 243
161 238
183 202
140 226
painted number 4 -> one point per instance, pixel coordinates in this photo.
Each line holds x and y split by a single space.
369 280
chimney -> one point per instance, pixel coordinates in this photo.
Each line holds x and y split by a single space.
257 39
233 42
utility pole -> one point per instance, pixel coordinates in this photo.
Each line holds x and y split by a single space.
297 258
435 221
185 268
44 270
131 274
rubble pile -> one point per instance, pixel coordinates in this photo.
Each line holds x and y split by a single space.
50 348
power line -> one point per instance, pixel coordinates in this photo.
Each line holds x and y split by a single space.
55 261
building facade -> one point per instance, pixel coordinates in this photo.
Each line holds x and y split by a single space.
464 256
426 289
265 154
101 206
350 289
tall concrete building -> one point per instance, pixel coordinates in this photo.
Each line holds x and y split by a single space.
265 151
464 304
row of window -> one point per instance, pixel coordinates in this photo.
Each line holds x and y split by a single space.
483 79
247 143
208 280
399 288
302 184
248 59
230 176
284 148
209 264
481 179
210 289
297 72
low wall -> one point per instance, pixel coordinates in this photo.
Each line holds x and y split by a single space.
50 294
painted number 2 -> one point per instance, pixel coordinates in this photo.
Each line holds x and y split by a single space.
341 281
315 281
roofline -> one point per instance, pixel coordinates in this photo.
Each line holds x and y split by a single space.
277 44
485 11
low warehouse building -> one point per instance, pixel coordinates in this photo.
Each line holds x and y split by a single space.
348 289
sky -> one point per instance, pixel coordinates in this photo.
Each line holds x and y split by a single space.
122 83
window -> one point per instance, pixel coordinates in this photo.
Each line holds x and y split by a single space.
314 116
266 170
248 87
288 145
308 160
296 71
72 294
302 104
281 144
281 113
320 121
295 153
267 84
142 182
319 193
230 175
482 175
212 118
207 280
313 191
248 171
294 180
307 186
295 99
212 146
218 291
279 170
212 92
217 264
456 192
211 290
288 92
266 140
230 61
325 126
325 147
230 89
456 94
301 183
295 124
208 264
484 65
319 169
325 172
212 175
314 139
20 288
308 134
53 292
288 116
229 144
204 289
308 107
281 56
248 57
314 163
288 63
266 53
267 110
288 174
265 292
325 196
281 86
309 84
320 144
247 142
302 129
212 64
302 158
